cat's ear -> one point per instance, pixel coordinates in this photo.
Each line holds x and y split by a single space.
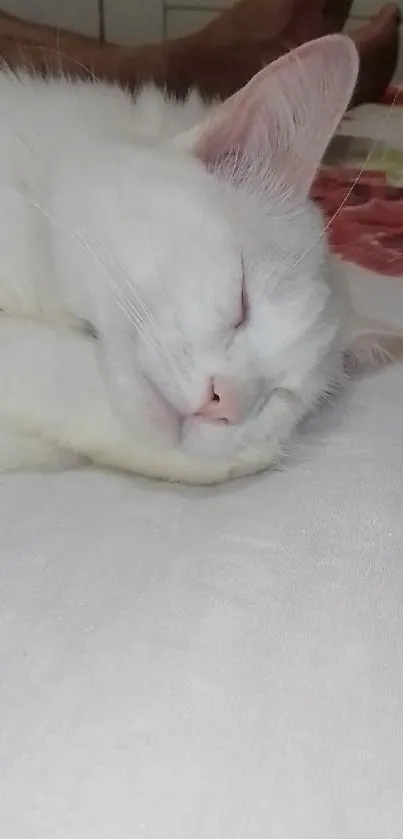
286 114
373 345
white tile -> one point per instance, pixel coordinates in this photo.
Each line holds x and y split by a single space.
183 22
369 8
78 15
199 4
134 21
355 23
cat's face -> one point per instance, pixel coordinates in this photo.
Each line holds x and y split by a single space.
229 325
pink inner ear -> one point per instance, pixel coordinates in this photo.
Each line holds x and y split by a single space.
287 113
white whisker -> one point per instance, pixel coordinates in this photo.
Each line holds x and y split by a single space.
130 312
148 317
374 146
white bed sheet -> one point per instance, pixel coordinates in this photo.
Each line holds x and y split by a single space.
212 664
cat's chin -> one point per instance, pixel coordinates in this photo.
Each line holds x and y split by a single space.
178 466
208 454
201 439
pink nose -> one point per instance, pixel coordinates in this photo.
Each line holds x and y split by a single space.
220 403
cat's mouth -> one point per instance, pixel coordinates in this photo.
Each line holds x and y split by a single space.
188 432
196 434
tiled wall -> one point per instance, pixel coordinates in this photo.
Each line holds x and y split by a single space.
123 21
361 13
79 15
140 21
183 16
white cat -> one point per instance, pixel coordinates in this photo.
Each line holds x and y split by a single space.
182 235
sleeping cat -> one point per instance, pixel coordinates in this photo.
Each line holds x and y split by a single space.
168 301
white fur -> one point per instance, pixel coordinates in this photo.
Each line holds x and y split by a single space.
122 215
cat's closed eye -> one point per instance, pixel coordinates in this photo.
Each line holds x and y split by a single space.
243 309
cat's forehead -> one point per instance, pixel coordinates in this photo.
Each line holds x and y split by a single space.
196 250
189 214
185 190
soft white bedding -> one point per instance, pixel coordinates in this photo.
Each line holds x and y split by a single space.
212 664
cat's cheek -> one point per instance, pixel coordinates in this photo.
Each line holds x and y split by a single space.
162 420
147 417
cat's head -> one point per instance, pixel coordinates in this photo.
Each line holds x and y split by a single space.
228 327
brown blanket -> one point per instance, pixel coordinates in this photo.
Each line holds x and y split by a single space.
221 57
